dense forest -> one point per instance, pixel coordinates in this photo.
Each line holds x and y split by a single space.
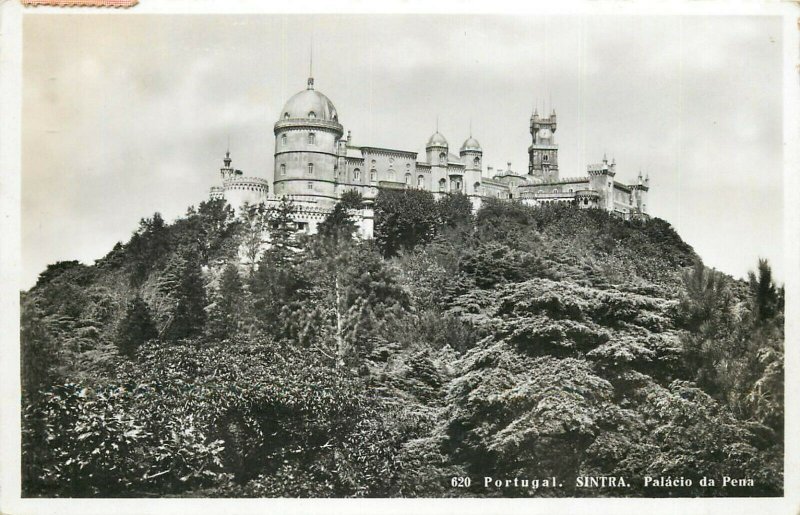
523 342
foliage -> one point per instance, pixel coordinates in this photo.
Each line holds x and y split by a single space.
136 328
404 219
515 342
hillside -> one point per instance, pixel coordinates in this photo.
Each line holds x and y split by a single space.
517 343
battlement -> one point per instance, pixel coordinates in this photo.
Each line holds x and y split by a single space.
246 183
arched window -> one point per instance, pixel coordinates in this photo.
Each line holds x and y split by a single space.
283 137
283 169
356 174
312 114
285 116
310 168
408 179
420 181
477 162
476 187
555 190
391 175
442 185
544 158
310 185
373 176
570 190
442 157
312 138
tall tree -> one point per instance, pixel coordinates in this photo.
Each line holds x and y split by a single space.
763 292
189 315
404 219
226 316
136 327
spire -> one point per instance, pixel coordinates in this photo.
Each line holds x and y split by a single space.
311 64
227 159
470 127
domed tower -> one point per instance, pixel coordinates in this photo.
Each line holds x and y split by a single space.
543 152
436 149
472 157
306 142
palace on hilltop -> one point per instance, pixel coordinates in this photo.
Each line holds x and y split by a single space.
315 162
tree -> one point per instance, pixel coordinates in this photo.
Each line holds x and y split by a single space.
455 210
136 327
226 313
404 219
281 230
189 315
765 298
38 351
255 223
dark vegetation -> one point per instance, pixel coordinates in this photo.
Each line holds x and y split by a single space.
518 342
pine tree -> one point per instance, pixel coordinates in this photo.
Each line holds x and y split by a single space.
189 316
136 327
764 294
226 315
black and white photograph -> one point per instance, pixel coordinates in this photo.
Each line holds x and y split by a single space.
398 255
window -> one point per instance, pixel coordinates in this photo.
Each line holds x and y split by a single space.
312 138
408 179
391 175
310 168
570 190
283 140
476 187
555 190
285 116
310 185
477 162
455 185
356 174
420 181
283 169
312 114
544 158
373 176
442 184
442 157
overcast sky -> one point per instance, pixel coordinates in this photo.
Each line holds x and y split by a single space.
127 115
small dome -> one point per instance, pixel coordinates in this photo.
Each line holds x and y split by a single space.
310 104
437 140
471 144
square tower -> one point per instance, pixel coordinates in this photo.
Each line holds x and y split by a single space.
543 152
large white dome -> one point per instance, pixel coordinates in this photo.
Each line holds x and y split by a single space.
310 104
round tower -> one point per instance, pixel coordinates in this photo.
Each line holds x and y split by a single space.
306 141
472 157
436 149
